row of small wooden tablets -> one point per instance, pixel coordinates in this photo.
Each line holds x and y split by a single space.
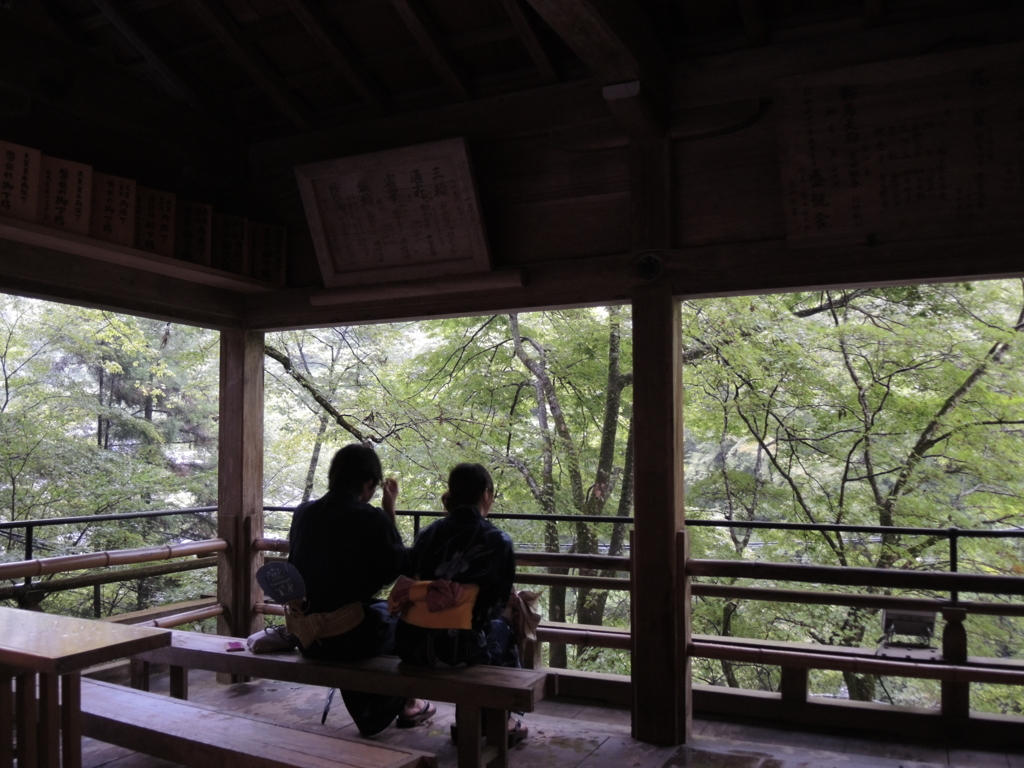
71 196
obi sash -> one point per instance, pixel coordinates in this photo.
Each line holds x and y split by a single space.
438 604
313 627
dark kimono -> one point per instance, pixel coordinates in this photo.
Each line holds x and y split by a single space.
465 548
347 551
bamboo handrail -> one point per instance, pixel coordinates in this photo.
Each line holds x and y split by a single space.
524 559
109 577
554 579
861 665
184 618
67 563
268 609
806 597
619 640
859 577
572 560
270 545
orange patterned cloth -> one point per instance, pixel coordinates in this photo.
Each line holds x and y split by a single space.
438 604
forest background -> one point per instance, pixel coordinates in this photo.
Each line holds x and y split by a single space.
889 406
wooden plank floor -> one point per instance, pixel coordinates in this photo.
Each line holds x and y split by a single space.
568 734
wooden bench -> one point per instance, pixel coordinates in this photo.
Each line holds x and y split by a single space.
483 695
199 736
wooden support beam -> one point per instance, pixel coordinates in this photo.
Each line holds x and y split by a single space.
526 32
874 12
614 40
240 480
429 40
122 17
107 98
44 273
325 33
754 26
636 109
217 19
661 713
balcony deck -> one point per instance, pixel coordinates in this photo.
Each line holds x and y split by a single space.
570 734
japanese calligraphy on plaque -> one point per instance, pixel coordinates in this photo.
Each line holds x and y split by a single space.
193 232
65 195
113 209
154 221
924 148
401 214
19 181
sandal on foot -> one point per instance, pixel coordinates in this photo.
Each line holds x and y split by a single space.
517 734
411 721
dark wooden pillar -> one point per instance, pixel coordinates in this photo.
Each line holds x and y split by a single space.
240 479
661 707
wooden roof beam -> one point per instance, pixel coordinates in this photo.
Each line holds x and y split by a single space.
101 94
617 43
613 39
874 11
528 35
339 52
754 26
423 29
219 22
160 58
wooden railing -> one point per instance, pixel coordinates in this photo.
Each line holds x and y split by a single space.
955 670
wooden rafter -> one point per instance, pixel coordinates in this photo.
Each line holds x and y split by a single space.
874 10
219 22
100 94
752 16
528 35
614 40
338 51
126 19
97 20
427 37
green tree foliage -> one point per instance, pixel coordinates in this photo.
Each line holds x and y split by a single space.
888 407
104 414
542 399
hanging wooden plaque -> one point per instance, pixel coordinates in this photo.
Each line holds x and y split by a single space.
154 221
19 181
65 195
401 214
914 149
113 209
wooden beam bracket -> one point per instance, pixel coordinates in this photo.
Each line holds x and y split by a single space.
640 112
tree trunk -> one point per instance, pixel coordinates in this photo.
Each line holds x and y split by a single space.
307 491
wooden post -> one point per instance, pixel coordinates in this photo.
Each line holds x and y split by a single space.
661 709
26 718
240 480
793 684
956 696
6 718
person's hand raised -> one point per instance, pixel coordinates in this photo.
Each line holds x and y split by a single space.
389 495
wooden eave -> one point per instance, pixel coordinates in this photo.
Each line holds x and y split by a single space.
553 164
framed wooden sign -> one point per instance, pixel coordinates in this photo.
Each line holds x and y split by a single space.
920 148
401 214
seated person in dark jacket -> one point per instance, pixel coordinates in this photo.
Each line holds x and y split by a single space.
465 567
347 551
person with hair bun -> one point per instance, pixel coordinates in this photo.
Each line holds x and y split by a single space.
461 569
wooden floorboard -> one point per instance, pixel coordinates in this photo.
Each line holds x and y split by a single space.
570 734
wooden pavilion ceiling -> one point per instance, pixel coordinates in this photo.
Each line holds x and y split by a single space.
598 130
269 68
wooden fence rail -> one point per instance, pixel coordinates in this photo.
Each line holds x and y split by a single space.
67 563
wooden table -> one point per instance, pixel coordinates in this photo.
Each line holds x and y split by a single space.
53 650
